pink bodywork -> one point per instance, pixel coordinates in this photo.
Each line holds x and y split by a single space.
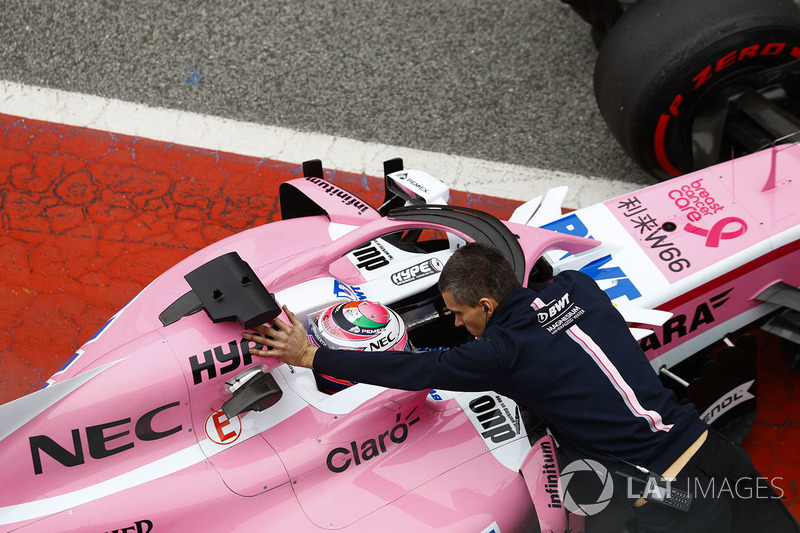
129 436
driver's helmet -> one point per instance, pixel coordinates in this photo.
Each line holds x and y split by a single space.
356 325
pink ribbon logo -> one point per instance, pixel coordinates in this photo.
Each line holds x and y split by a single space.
717 231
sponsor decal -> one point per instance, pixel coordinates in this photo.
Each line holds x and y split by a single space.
101 440
681 325
221 429
340 459
644 224
550 475
694 201
738 395
229 358
371 256
351 292
381 343
492 418
337 192
140 526
622 286
717 231
418 271
404 177
559 314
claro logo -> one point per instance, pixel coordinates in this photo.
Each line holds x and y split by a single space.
340 459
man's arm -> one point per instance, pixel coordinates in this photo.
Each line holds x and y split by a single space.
286 342
474 366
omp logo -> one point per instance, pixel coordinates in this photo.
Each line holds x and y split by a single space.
369 257
221 429
493 418
421 270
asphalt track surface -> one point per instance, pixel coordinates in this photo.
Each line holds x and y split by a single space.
500 81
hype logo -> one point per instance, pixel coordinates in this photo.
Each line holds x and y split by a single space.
717 231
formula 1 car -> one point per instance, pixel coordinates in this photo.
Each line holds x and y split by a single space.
163 421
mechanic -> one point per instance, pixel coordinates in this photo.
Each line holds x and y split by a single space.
561 350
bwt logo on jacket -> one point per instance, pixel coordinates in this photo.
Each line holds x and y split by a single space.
553 309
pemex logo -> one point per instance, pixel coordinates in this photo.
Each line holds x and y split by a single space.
592 467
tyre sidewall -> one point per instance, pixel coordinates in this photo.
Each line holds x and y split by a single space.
650 84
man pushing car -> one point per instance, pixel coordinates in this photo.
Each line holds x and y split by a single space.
561 350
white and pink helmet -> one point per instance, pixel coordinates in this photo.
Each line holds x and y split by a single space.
356 325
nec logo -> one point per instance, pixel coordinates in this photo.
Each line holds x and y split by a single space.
381 343
553 309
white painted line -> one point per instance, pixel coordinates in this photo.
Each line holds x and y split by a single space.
282 144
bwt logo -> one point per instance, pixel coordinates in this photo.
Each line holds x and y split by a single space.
553 310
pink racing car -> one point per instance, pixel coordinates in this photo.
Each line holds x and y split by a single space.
163 421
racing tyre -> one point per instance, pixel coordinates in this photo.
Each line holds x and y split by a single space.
684 84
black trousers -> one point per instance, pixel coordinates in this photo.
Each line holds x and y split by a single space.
728 495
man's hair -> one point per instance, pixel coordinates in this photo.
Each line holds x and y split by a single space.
475 271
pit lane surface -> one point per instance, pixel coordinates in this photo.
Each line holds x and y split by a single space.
508 82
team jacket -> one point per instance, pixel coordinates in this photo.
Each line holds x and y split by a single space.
562 351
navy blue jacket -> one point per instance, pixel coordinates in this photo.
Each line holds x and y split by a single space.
562 351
